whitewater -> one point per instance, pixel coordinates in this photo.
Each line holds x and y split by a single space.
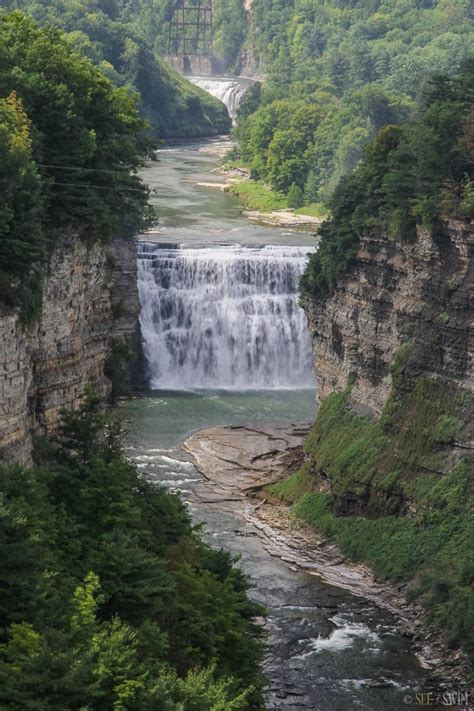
224 317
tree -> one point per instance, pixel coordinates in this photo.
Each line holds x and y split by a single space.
22 251
295 196
123 605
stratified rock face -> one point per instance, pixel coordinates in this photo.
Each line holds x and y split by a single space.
395 292
49 365
125 305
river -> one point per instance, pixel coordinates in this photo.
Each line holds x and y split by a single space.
224 342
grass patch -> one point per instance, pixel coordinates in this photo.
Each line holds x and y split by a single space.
313 210
387 461
435 548
292 488
257 196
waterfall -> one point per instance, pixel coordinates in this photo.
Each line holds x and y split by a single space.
229 91
224 317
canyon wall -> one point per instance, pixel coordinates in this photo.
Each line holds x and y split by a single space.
394 293
90 304
396 338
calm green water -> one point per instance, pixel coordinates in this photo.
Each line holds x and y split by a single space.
191 213
328 650
173 416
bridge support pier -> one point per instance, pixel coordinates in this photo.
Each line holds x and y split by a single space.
195 65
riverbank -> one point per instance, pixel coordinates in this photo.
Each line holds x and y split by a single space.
239 462
261 203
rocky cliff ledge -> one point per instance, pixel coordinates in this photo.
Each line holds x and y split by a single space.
90 308
396 293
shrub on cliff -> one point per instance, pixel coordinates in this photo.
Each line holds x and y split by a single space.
21 206
108 596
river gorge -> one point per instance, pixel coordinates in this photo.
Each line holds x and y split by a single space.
226 343
236 355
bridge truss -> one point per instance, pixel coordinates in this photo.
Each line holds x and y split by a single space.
191 30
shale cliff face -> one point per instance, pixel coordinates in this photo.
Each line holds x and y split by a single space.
90 302
395 293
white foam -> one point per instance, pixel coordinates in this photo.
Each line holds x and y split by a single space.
188 466
343 637
224 317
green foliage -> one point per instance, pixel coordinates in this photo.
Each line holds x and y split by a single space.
230 24
409 176
122 353
125 40
87 136
295 197
293 487
257 196
71 145
22 250
359 66
109 599
394 466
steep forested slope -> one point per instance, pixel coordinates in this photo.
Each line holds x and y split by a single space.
118 37
336 72
109 599
71 144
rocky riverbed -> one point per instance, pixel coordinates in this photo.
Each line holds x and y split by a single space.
237 462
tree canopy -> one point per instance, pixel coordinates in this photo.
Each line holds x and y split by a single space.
109 598
410 176
71 145
125 39
357 66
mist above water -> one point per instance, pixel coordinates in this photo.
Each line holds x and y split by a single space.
229 91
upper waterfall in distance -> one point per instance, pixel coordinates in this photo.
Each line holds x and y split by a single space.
230 91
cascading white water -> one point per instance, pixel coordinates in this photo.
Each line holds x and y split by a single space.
229 91
224 317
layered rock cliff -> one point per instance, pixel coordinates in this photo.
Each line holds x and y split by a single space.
396 338
395 293
90 307
389 463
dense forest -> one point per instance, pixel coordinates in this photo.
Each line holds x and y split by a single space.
336 72
72 143
118 37
410 176
109 598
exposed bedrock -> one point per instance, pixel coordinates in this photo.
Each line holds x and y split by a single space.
393 293
90 304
